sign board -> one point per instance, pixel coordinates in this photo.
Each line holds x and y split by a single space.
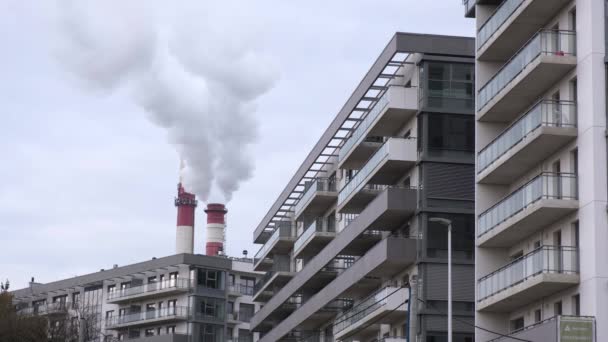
574 329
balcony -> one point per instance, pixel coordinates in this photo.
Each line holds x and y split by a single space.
543 61
166 315
511 24
383 307
542 272
57 308
150 290
391 111
281 242
319 195
264 288
540 202
386 166
314 238
555 329
237 290
539 133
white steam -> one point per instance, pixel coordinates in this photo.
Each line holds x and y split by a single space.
195 67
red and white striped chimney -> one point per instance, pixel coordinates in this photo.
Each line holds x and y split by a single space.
186 205
216 224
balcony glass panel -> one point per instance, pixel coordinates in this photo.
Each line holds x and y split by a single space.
318 225
359 133
151 287
500 15
546 42
357 182
546 259
547 113
364 308
178 311
544 186
468 5
319 184
281 231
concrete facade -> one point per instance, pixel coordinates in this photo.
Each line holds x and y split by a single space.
349 250
541 167
179 298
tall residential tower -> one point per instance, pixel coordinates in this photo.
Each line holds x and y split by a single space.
353 248
541 270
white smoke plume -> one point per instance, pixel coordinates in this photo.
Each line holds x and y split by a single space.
195 67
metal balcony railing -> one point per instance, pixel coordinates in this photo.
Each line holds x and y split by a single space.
545 259
281 231
268 275
366 307
151 288
318 225
357 182
319 184
545 42
170 312
547 185
545 113
585 326
499 17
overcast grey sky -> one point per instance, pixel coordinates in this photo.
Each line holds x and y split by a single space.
87 181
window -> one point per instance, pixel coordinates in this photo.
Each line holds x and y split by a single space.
159 330
76 298
230 279
229 332
211 333
151 311
151 279
536 244
537 316
517 324
109 315
462 237
247 285
576 305
246 312
210 278
122 312
450 133
149 332
210 308
557 308
230 307
449 85
111 289
125 285
171 329
121 336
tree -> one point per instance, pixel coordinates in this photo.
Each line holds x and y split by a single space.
15 327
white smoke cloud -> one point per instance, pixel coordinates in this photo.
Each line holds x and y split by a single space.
195 67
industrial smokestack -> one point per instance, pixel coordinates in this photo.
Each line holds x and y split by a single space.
216 225
186 205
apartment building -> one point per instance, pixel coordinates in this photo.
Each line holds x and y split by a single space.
179 298
541 170
355 246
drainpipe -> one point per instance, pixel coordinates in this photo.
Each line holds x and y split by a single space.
413 310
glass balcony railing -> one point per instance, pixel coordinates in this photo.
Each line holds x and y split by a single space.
240 288
546 113
359 134
151 287
357 183
544 186
545 42
281 231
170 312
499 17
319 184
545 259
318 225
366 307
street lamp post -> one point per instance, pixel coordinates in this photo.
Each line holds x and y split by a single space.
448 224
